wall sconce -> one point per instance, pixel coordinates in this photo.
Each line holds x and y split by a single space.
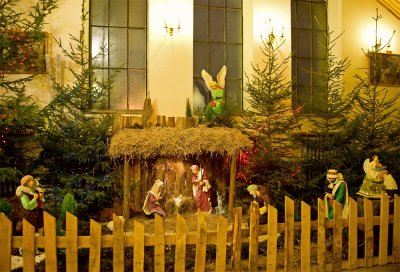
171 29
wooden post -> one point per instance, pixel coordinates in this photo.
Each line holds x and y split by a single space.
171 122
232 185
181 122
126 187
138 201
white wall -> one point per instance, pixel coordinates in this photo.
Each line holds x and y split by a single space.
170 58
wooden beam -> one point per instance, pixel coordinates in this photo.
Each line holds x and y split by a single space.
232 185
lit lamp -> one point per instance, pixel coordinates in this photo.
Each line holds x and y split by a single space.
170 29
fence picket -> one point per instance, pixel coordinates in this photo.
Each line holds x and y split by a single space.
71 232
118 244
321 248
201 244
353 237
138 247
253 241
222 229
28 246
237 239
95 246
305 237
368 233
337 236
384 230
50 242
180 245
5 242
289 234
272 238
159 245
396 230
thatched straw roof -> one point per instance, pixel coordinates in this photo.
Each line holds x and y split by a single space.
173 142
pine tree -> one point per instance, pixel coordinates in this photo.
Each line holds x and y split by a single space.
271 120
19 113
75 142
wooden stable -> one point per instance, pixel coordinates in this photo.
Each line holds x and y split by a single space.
166 153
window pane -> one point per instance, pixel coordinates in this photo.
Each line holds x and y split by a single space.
99 39
217 58
201 2
137 89
234 60
137 48
118 48
233 32
320 67
304 68
200 24
304 98
118 13
200 95
137 13
99 12
304 45
234 4
233 94
217 23
303 15
217 3
200 51
118 96
319 16
101 75
320 44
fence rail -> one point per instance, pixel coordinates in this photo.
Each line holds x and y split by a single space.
386 239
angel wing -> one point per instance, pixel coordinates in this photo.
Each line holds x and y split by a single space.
207 78
221 77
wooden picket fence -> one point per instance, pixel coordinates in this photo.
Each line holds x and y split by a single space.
226 235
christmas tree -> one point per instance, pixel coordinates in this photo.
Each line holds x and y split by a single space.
74 142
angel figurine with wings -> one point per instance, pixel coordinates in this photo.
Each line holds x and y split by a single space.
216 88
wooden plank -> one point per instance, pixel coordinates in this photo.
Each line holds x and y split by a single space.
180 244
190 122
138 202
95 246
126 189
305 237
237 239
5 242
353 228
118 244
50 242
337 236
138 248
222 229
396 230
253 240
368 233
321 247
159 245
232 185
201 244
71 232
272 248
171 122
289 234
28 246
180 122
384 230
